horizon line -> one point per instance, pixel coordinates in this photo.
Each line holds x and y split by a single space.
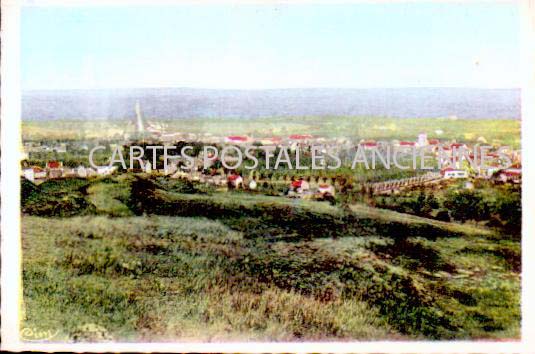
269 89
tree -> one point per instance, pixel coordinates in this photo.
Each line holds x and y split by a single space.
508 206
432 201
467 205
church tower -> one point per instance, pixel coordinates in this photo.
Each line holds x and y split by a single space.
140 125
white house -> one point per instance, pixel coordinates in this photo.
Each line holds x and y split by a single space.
300 186
235 181
105 170
422 139
90 172
33 173
81 171
147 167
60 148
451 173
326 189
29 174
252 184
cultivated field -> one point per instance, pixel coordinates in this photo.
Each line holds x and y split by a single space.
498 132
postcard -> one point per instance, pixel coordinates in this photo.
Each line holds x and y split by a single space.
267 176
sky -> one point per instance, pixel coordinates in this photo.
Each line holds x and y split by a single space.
260 46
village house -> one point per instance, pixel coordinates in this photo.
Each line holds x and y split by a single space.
368 145
147 167
56 173
54 164
452 173
299 186
407 143
35 147
457 146
252 185
237 139
61 148
106 170
235 181
300 137
296 140
81 171
69 172
271 141
509 175
326 189
34 173
54 169
422 139
29 174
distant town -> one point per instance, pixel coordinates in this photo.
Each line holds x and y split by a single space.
220 172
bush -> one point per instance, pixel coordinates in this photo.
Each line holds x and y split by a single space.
467 205
443 215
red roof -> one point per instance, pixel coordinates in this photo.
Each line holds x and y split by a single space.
369 143
296 184
512 172
407 143
456 145
300 136
53 164
237 138
433 142
447 169
233 177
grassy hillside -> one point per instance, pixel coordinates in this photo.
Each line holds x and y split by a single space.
138 259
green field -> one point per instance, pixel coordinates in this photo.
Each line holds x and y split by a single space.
496 132
133 258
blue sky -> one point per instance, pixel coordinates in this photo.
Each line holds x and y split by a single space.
258 46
